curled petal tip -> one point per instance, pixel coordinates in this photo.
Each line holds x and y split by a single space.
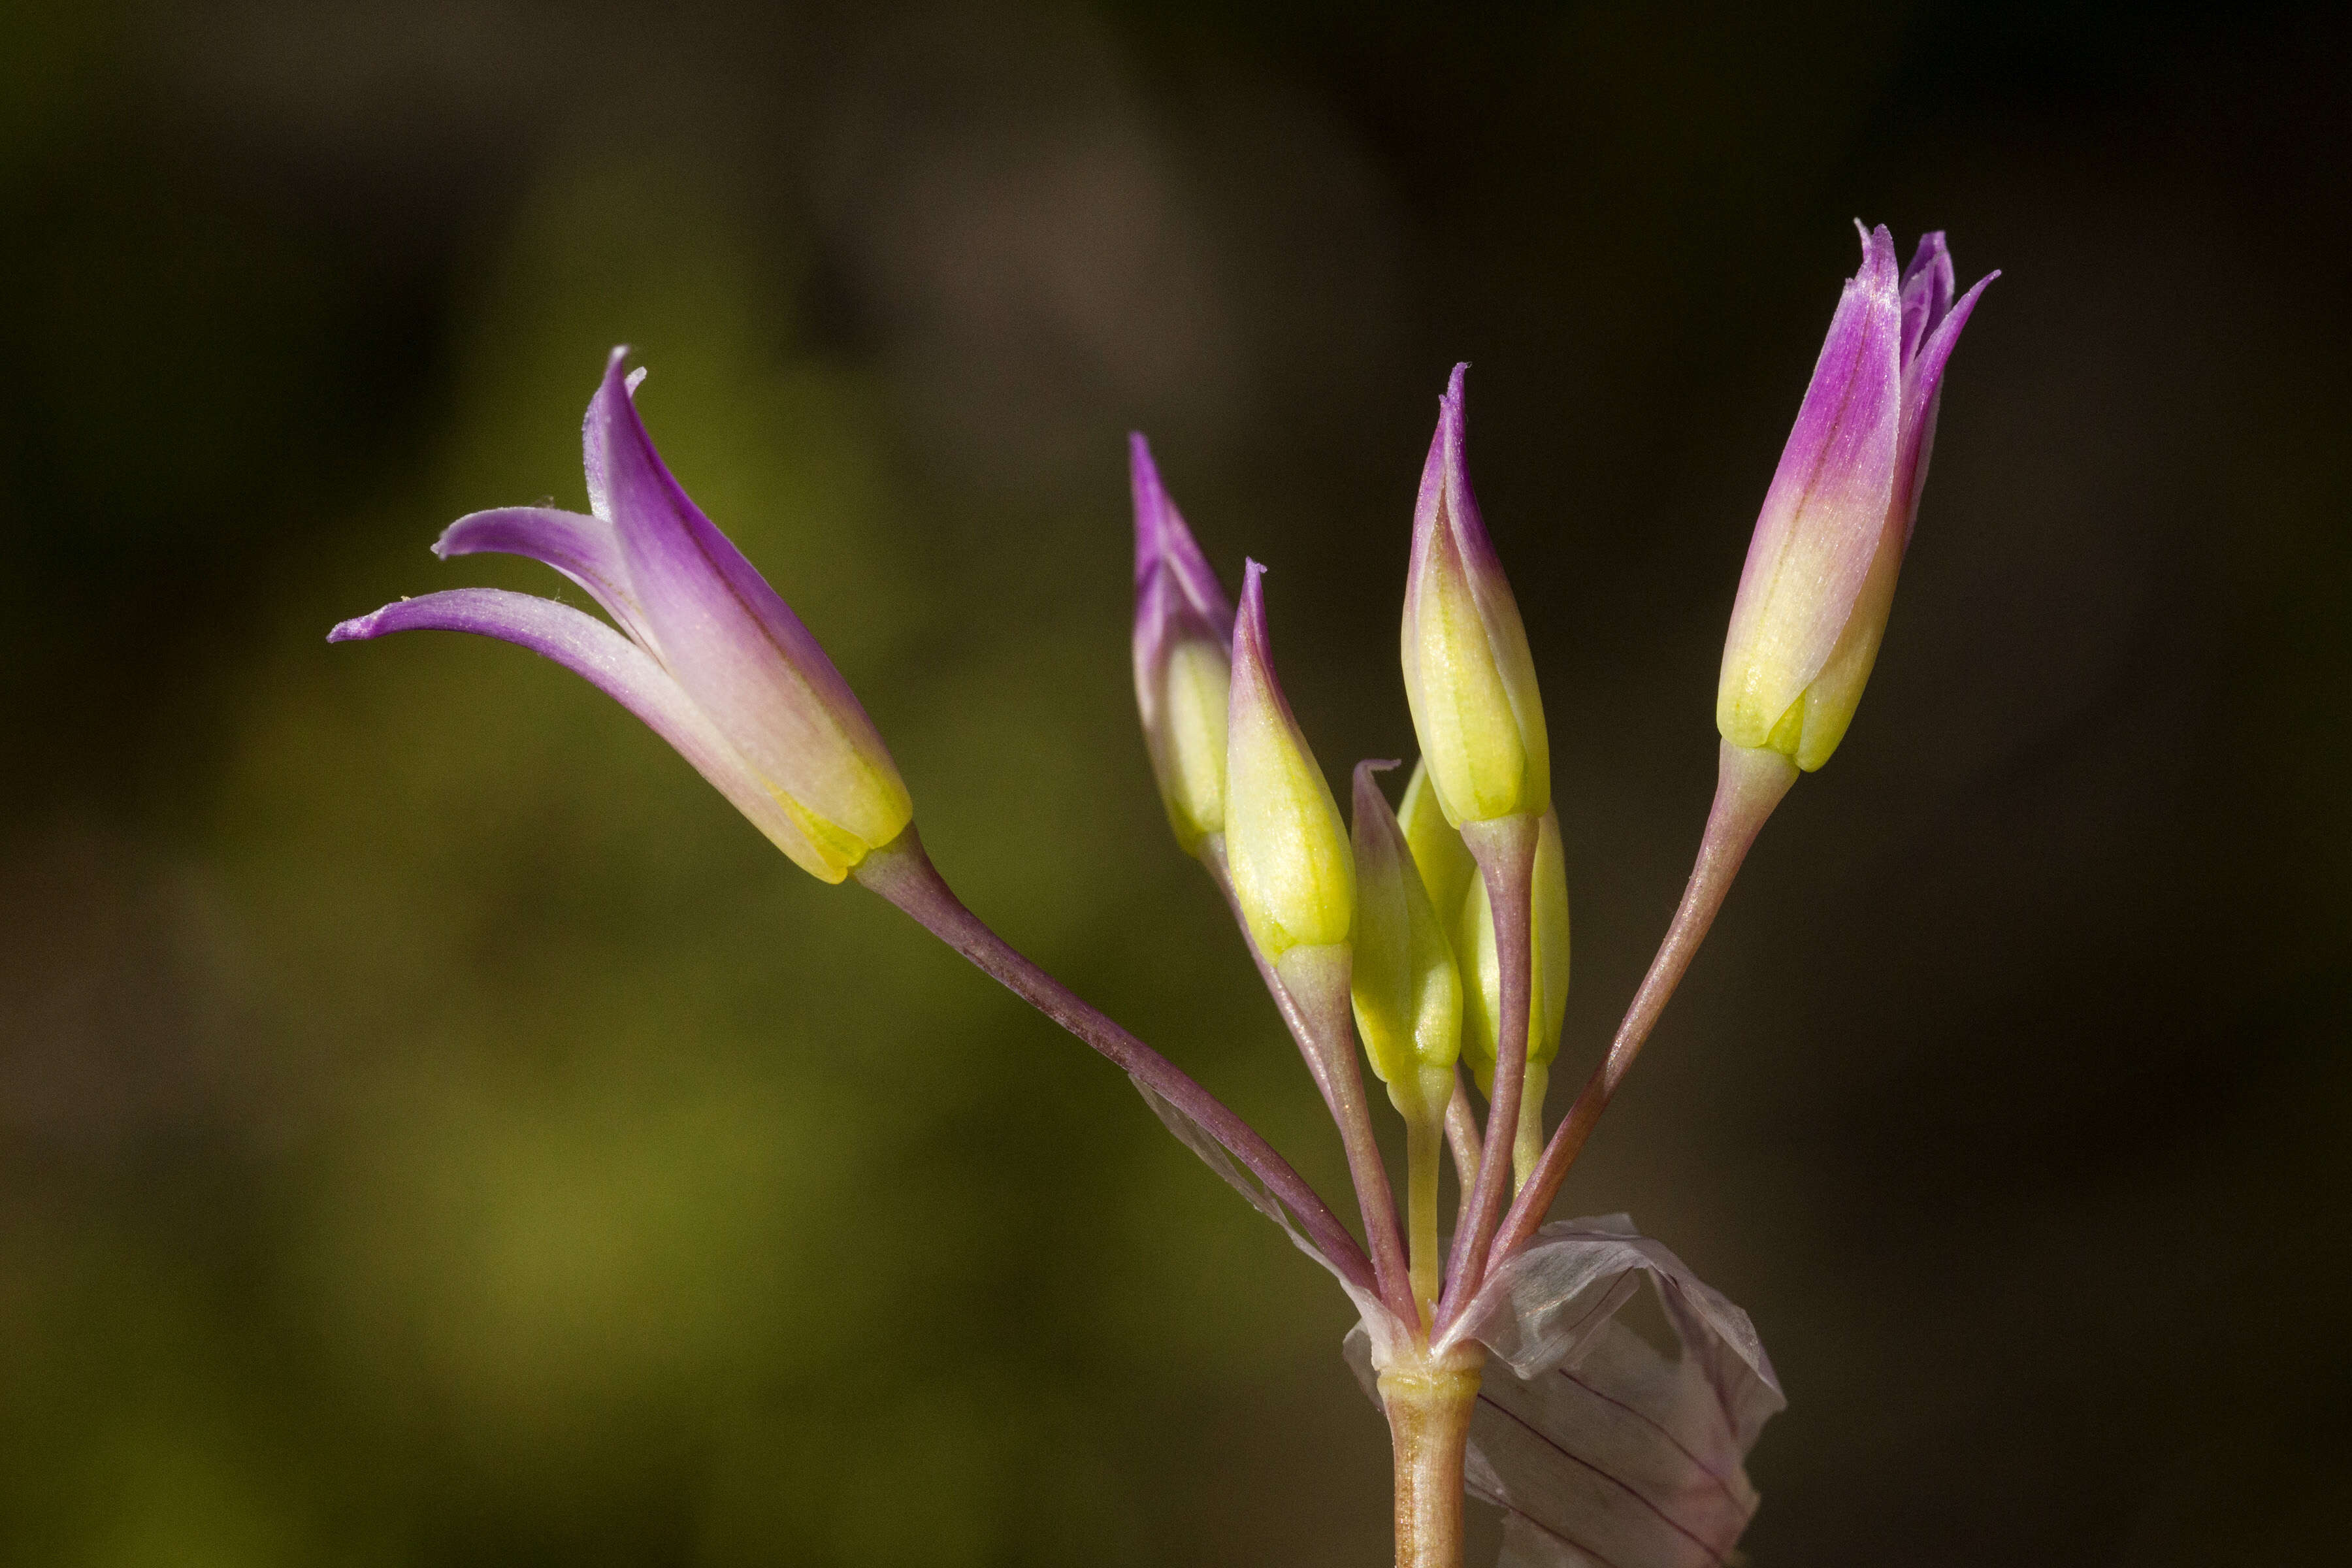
359 629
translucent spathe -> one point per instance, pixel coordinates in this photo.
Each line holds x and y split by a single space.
1588 1439
1183 662
1294 875
1820 578
708 654
1468 676
1596 1447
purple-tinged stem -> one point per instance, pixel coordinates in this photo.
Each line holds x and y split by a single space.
901 872
1462 1136
1750 783
1313 1001
1212 856
1505 849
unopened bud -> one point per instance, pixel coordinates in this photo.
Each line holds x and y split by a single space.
1468 674
1820 578
1444 862
1183 663
1406 987
1293 873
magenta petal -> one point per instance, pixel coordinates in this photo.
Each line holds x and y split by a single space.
616 666
727 638
1928 287
585 548
1827 505
1165 549
1177 595
1922 393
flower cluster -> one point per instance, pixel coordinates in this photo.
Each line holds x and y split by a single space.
1422 939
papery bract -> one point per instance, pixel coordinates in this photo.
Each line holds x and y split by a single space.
707 654
1468 676
1184 661
1819 577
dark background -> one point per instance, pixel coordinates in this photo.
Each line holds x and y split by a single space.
434 1129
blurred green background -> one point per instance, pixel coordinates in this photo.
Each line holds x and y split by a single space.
434 1129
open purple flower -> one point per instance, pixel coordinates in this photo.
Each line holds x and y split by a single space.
707 654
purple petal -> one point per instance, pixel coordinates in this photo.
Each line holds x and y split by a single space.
1165 547
1497 607
1177 595
585 548
1928 287
1923 393
616 666
1827 505
1254 681
729 639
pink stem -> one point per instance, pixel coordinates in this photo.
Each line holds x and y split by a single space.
1505 849
904 875
1321 1022
1749 783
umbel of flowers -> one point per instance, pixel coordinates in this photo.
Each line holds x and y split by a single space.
1418 939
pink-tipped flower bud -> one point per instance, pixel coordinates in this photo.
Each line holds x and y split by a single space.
1293 873
1468 674
1184 660
1820 579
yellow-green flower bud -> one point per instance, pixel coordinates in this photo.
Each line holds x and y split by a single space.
1406 988
1468 674
1293 873
1444 862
